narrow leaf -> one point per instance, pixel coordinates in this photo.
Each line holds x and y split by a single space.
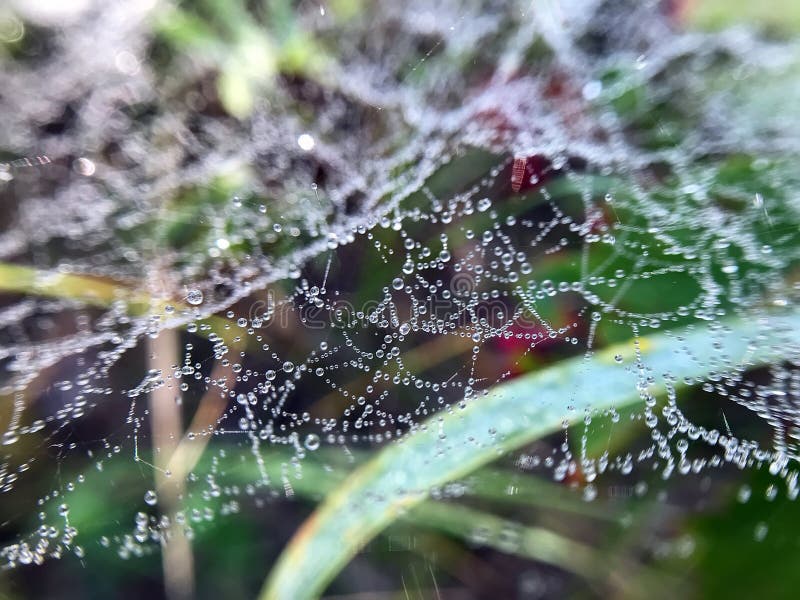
509 416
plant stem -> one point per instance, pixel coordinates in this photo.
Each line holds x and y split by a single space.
165 417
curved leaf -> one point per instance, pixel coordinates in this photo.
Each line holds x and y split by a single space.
454 443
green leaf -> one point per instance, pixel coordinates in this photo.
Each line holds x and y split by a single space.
779 15
94 291
456 442
535 543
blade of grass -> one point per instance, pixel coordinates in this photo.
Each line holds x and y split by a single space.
451 445
529 490
534 543
460 522
94 291
541 545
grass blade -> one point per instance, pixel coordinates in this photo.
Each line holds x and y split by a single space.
94 291
511 415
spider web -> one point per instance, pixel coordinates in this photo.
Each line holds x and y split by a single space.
446 204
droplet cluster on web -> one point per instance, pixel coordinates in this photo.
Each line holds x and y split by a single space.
429 234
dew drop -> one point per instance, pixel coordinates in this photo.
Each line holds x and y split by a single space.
311 442
194 297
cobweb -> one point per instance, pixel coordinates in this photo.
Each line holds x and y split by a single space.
436 201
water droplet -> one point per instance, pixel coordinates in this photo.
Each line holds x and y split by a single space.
311 442
306 142
85 167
